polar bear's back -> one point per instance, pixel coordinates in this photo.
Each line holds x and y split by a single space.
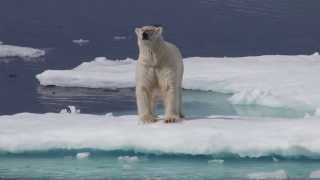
172 56
173 59
173 50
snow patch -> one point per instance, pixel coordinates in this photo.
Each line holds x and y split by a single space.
279 174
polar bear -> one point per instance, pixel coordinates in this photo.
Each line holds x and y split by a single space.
159 72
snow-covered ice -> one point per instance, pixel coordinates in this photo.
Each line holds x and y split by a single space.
18 51
247 137
279 174
271 80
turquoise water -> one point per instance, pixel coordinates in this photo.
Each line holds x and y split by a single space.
122 101
109 165
202 104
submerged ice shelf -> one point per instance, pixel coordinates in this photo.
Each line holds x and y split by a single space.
19 51
244 137
271 80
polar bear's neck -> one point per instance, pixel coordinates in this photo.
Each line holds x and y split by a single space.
151 55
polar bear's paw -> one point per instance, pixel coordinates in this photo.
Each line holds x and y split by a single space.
171 119
148 118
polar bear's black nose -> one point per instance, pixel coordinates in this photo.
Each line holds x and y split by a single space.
145 36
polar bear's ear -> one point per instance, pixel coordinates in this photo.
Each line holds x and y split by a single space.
159 30
137 30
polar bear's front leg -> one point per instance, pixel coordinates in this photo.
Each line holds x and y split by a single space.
172 104
144 105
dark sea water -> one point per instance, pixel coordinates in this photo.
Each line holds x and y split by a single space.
210 28
199 28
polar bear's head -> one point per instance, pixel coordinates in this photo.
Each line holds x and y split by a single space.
147 35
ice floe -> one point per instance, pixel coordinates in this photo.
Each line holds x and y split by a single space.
247 137
270 80
19 51
279 174
81 42
100 73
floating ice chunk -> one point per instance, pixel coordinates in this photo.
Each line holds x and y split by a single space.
204 136
216 161
71 110
271 80
83 155
118 38
18 51
256 96
315 174
99 73
81 42
274 159
279 174
109 115
128 158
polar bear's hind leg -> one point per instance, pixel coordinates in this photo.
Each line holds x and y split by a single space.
172 105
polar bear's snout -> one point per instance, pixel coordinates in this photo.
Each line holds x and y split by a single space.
145 36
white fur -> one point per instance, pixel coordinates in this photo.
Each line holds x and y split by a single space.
159 73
